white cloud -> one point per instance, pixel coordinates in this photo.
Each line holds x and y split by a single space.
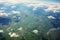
1 31
13 6
20 28
6 14
9 33
35 31
12 29
55 10
13 34
51 17
2 8
15 12
51 6
2 11
17 1
54 7
3 14
14 16
36 4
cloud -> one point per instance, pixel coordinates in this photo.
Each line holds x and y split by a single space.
54 7
51 6
17 1
2 11
35 31
15 12
13 6
51 17
1 31
13 34
20 28
3 14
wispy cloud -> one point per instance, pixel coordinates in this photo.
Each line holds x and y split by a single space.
17 1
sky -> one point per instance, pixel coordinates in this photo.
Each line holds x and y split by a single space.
19 1
51 0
